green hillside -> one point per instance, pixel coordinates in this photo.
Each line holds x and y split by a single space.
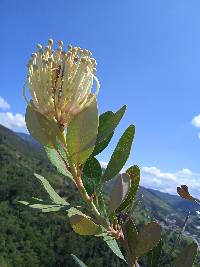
31 239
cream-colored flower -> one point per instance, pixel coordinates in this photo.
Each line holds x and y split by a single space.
61 82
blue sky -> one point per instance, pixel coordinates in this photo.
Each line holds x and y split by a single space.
148 55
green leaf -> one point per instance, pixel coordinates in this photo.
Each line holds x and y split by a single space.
44 207
91 175
102 205
120 154
108 121
134 173
131 237
77 260
82 133
187 256
102 145
148 238
153 256
23 202
82 224
56 158
42 129
112 243
119 192
51 192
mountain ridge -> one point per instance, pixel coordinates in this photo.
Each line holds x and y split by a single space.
31 236
169 198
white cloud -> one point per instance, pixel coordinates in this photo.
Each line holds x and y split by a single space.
152 177
3 104
185 172
103 164
157 173
8 119
13 121
196 121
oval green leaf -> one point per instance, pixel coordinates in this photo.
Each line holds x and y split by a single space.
82 224
43 130
148 238
119 192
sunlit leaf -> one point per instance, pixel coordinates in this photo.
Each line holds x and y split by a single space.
56 158
42 129
82 133
82 224
112 243
51 192
78 261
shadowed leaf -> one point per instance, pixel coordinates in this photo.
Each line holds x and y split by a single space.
119 192
131 235
148 238
153 256
134 173
108 121
91 174
187 256
120 154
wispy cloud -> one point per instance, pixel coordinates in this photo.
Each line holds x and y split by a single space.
152 177
196 123
12 121
4 104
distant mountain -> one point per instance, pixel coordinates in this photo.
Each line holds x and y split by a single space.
34 239
30 139
176 202
165 200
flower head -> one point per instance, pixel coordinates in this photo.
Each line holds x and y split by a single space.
61 82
